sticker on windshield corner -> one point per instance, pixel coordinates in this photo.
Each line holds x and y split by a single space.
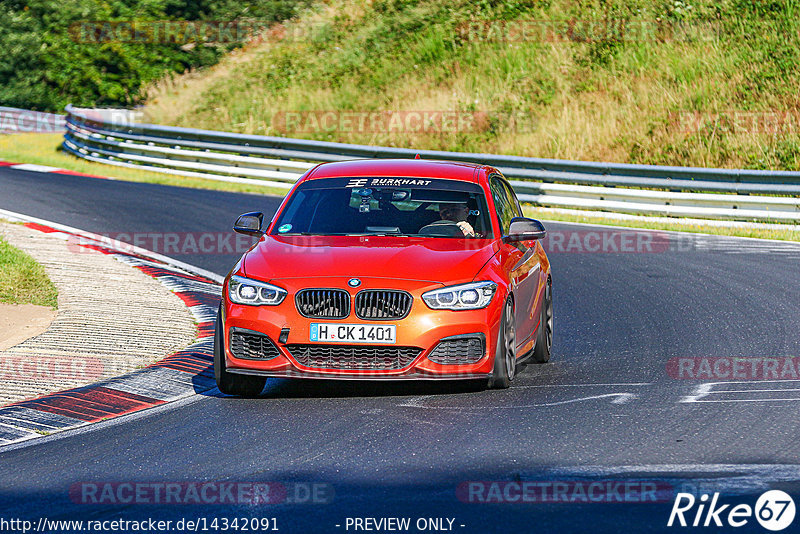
285 228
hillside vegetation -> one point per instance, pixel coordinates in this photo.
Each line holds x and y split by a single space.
694 82
50 60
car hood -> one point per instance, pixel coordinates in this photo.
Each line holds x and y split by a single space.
438 260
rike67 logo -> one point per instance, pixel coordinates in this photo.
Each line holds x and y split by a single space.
774 510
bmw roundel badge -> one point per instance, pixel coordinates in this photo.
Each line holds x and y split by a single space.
354 282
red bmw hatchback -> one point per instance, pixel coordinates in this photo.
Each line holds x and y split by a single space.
387 270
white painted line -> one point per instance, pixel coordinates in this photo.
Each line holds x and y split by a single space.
34 167
757 382
11 428
22 413
415 402
203 313
721 391
100 240
747 400
619 398
704 390
585 385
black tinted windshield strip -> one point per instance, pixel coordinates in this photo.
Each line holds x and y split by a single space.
420 207
385 181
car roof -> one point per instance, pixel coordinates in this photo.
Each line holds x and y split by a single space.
407 168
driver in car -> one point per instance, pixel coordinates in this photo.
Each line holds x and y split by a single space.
457 213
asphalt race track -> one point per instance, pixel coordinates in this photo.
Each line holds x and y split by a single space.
605 409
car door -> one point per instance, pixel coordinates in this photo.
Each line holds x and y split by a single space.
522 264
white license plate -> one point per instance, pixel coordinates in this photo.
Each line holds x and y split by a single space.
353 333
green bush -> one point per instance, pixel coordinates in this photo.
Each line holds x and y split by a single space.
44 65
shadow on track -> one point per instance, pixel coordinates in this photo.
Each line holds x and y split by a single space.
299 388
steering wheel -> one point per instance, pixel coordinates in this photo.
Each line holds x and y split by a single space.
442 229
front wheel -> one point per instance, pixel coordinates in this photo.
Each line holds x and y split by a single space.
505 358
544 337
230 383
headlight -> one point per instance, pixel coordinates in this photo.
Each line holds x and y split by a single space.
462 297
245 291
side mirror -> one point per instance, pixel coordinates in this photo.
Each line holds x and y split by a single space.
249 224
524 229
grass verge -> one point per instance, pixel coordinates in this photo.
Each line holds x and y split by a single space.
22 280
43 149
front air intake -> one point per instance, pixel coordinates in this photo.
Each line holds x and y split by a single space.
354 357
323 303
458 350
382 304
251 345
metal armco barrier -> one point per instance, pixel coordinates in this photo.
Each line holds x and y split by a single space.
116 137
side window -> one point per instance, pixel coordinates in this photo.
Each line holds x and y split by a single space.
505 206
513 199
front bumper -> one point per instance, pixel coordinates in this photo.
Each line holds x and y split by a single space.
360 376
422 328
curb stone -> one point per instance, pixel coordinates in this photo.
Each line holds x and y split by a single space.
181 374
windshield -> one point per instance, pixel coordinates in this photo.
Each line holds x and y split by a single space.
386 206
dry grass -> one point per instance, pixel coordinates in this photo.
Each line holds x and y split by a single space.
168 99
623 106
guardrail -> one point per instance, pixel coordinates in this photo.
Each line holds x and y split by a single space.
116 138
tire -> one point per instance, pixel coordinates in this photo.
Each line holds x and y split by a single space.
505 358
230 383
544 337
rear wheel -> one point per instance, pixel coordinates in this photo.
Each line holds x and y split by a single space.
230 383
505 359
544 337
